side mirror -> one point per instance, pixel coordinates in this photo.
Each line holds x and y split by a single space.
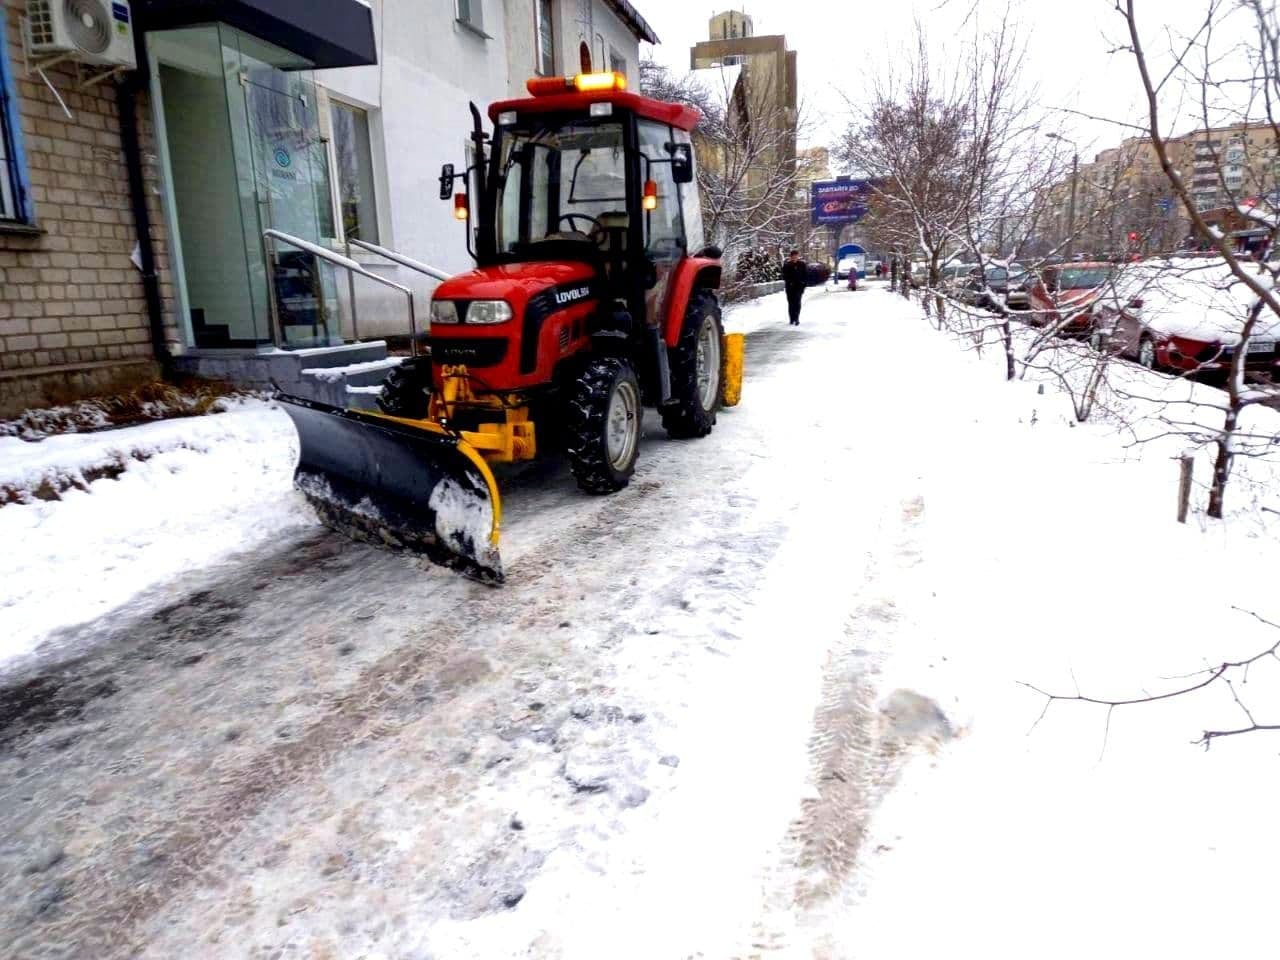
446 181
681 162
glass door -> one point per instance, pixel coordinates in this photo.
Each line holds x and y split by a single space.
284 174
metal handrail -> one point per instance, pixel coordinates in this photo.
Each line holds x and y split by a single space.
350 265
399 258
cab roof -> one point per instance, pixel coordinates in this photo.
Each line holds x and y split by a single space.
676 114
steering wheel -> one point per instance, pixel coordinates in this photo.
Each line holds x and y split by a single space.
580 216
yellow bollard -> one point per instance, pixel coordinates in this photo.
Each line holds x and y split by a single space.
733 347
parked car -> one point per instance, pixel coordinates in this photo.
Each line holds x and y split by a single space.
953 277
1018 289
999 284
855 263
1064 296
816 274
1183 317
871 267
919 274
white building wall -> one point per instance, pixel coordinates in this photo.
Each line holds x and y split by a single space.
430 68
592 22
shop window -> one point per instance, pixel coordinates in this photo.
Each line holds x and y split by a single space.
353 163
545 38
15 203
617 63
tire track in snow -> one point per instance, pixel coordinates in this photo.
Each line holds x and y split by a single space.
860 744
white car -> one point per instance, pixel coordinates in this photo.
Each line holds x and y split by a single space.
848 264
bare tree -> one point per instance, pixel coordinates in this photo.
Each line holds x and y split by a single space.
1200 63
746 146
1228 673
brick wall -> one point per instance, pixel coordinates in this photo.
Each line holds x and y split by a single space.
72 315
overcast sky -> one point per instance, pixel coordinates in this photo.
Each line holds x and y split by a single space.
841 46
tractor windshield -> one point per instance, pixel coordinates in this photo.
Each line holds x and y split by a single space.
554 182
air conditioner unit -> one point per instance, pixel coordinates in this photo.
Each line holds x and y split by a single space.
92 31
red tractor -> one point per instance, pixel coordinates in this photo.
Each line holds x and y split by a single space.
593 296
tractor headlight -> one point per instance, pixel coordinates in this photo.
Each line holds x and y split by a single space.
488 311
444 311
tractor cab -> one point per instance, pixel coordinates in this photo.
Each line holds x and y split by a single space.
583 171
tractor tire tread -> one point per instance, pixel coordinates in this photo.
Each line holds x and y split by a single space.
684 417
406 390
586 408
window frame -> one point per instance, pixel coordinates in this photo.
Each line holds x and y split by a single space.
330 100
14 167
545 59
615 58
474 19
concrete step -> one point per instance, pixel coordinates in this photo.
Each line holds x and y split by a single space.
338 385
362 398
344 355
356 374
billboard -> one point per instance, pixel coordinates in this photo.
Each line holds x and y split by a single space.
839 201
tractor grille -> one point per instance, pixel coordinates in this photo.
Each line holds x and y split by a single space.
474 352
539 309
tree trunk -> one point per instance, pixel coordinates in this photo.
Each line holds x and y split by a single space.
1222 462
1006 334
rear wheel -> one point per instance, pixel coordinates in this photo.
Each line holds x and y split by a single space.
696 368
406 391
603 425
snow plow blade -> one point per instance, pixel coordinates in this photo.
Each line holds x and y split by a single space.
402 484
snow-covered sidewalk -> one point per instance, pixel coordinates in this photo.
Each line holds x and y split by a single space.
111 514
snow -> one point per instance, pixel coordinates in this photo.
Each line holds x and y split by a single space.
462 519
193 491
332 374
313 351
1198 299
767 701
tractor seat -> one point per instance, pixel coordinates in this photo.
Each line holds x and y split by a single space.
612 224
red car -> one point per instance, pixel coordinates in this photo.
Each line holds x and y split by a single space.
1065 295
1184 319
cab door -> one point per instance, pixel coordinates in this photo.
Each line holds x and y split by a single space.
662 228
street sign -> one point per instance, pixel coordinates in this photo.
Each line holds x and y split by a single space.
839 201
1165 204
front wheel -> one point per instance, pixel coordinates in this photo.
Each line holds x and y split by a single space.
407 390
696 370
604 417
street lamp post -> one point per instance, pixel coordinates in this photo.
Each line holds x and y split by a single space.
1071 208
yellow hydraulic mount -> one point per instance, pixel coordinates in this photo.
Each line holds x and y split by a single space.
510 441
731 379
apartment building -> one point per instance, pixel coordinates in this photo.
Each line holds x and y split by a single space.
1124 191
767 70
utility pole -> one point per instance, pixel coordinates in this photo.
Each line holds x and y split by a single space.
1071 208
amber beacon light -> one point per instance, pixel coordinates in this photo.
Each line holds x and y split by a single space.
582 83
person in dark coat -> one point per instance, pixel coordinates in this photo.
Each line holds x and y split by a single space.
794 280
